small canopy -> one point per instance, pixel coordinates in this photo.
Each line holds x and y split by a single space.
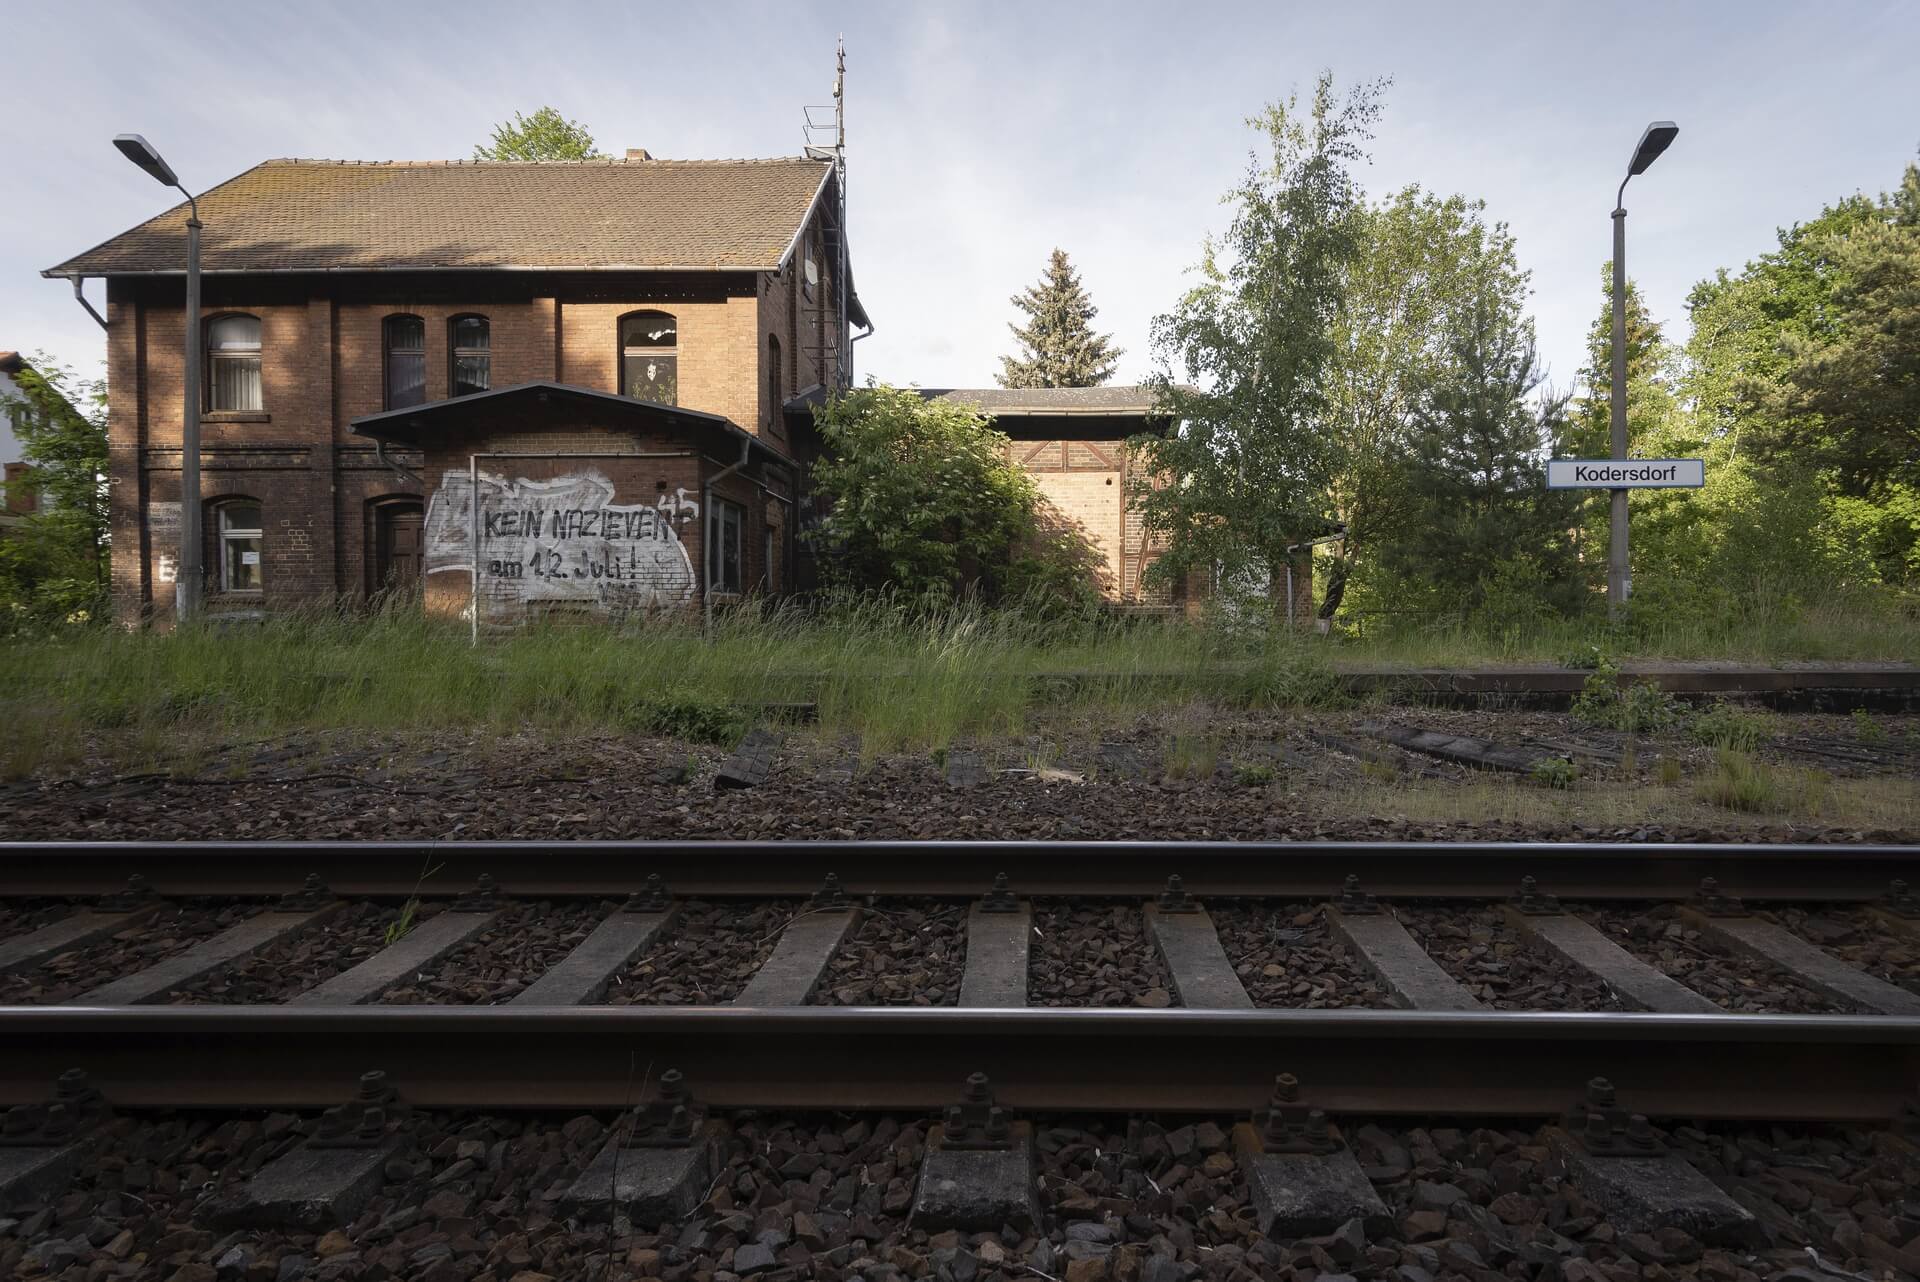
417 424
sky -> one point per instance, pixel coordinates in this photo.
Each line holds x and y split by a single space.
982 136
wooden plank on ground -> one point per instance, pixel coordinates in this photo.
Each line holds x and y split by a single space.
1638 984
29 950
800 959
582 976
1384 947
1202 975
1814 967
230 945
1481 754
418 949
997 947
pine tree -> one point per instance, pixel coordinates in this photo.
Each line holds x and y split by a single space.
1059 346
1651 398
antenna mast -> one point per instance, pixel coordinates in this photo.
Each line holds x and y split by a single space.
836 128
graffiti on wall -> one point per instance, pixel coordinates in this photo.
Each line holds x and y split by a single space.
560 540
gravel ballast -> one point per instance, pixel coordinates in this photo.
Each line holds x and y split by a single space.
907 953
145 943
522 944
711 952
24 916
1660 937
462 785
1094 955
473 1198
1285 956
1860 940
1498 964
290 967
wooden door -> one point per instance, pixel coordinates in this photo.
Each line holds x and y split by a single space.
399 546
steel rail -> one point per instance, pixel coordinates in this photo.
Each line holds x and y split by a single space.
1733 1066
1466 870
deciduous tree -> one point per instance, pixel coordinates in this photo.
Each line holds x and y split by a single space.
545 135
53 567
1247 470
1420 287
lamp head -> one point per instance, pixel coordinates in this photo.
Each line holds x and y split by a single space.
142 153
1659 134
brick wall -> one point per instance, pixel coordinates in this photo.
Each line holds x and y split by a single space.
518 581
718 354
322 365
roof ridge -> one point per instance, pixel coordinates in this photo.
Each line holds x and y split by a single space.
654 163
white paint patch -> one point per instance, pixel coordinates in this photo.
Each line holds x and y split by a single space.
561 540
163 537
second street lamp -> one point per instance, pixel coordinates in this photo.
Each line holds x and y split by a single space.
1619 580
187 583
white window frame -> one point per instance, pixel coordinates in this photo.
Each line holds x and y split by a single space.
231 538
216 356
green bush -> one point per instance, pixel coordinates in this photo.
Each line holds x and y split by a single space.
1555 772
688 716
1725 726
1639 707
921 497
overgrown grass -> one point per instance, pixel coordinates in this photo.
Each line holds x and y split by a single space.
1738 782
897 677
1841 628
898 681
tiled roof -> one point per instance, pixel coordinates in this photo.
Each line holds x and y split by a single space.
402 215
1007 401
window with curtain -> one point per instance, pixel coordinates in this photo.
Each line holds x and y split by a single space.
241 537
233 364
405 340
472 355
650 357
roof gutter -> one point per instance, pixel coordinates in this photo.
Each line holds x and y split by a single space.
80 296
55 273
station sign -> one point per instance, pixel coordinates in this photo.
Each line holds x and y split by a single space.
1626 473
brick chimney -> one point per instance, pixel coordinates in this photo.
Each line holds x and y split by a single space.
638 153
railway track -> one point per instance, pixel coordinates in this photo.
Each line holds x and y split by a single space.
152 1029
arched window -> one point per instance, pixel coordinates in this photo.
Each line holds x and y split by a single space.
472 348
233 364
776 381
404 340
650 357
238 528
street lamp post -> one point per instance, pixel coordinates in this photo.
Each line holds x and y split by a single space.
1619 579
187 579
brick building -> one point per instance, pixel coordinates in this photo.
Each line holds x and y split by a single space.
1072 440
570 377
525 389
